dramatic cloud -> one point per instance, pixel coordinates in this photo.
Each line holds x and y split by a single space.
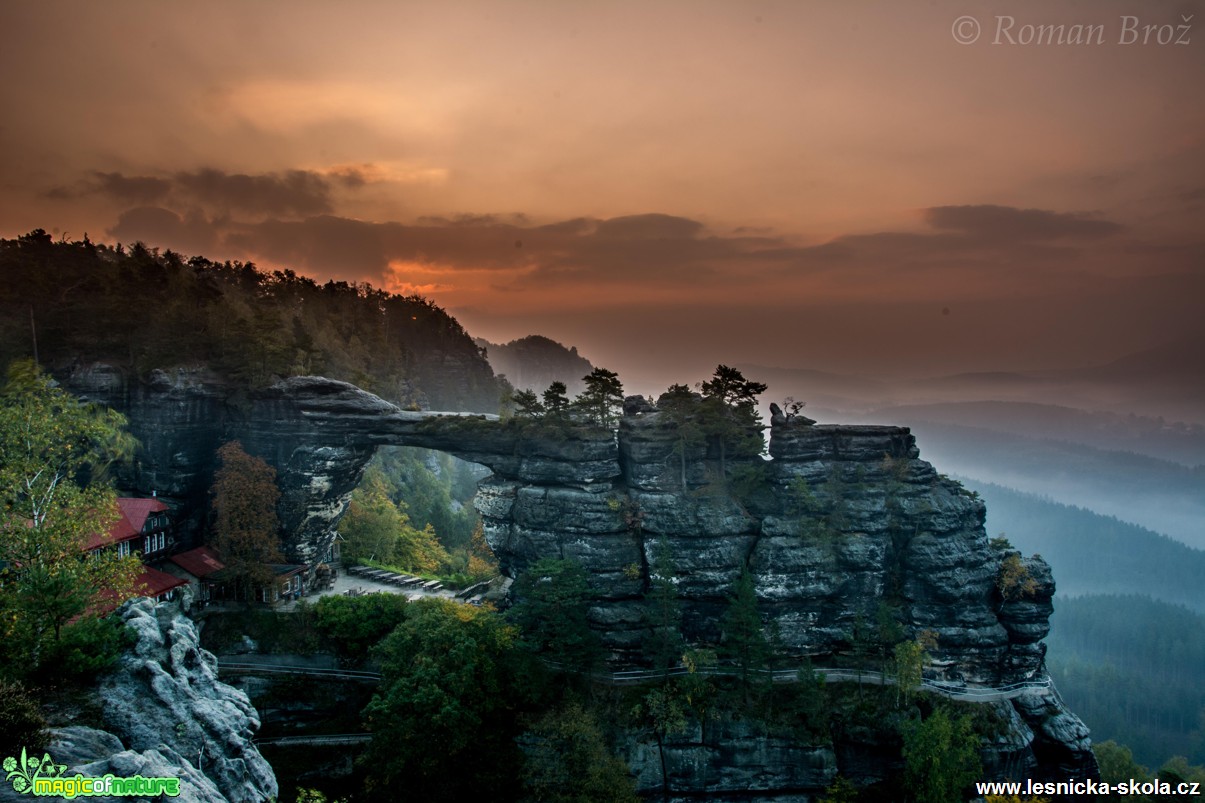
292 192
969 251
1025 225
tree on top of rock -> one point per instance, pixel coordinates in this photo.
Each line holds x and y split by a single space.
730 386
556 402
602 399
682 406
246 531
729 414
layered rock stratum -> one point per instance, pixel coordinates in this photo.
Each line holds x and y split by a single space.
837 521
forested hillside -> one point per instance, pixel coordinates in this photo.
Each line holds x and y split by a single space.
1164 496
1175 441
535 362
1133 668
82 301
1094 554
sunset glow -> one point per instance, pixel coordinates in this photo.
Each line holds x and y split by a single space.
834 174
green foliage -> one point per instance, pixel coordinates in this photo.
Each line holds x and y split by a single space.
353 625
88 647
743 636
1117 765
805 705
315 796
602 399
444 719
1013 579
551 612
910 660
663 710
24 725
250 325
662 644
54 452
556 401
682 407
728 415
941 757
376 527
435 488
841 790
246 530
567 761
1134 669
527 404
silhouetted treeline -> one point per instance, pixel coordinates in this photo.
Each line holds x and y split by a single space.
1133 669
1094 554
142 309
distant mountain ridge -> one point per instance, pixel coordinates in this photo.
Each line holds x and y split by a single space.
1166 380
1094 554
535 362
1153 437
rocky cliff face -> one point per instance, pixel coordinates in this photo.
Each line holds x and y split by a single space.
839 520
166 715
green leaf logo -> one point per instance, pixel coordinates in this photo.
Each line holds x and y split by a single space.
24 773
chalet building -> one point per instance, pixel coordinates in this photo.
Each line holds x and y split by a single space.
142 527
197 568
288 583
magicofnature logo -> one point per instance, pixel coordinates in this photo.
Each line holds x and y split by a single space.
41 777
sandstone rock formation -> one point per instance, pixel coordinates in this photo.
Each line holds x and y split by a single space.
166 715
838 520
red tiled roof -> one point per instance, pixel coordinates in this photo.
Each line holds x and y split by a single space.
133 513
199 562
149 583
152 582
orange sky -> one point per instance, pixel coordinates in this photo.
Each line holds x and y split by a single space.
663 184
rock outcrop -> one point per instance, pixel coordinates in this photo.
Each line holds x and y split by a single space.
166 715
839 521
168 709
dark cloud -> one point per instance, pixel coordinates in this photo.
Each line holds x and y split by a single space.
1018 225
141 190
295 192
649 227
155 226
968 244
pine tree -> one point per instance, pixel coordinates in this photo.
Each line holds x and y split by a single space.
602 399
743 636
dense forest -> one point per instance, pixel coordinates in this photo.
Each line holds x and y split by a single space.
413 512
69 302
1133 669
1095 554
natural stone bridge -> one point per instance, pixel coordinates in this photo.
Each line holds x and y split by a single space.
845 519
848 517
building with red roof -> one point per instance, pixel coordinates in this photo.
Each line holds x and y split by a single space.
141 526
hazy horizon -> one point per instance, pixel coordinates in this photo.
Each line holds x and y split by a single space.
842 187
